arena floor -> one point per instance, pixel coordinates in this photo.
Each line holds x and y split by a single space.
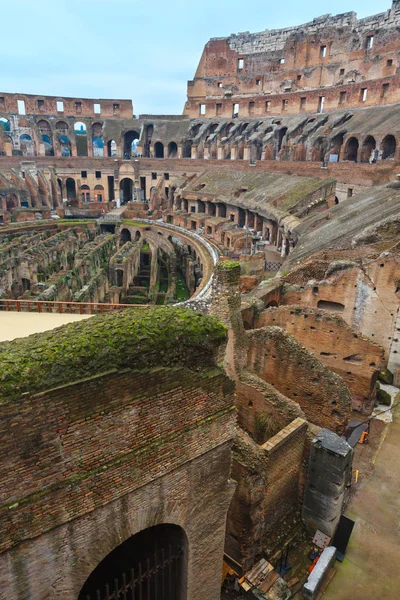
21 324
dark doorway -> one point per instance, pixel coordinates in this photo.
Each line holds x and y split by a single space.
159 150
151 565
351 149
125 236
131 142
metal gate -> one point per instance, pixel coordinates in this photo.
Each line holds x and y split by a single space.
154 578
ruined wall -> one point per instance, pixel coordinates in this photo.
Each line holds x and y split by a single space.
352 356
365 296
267 493
135 447
276 357
292 68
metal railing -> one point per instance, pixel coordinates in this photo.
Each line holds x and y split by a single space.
72 308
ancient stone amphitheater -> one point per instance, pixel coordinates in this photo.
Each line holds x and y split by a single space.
148 450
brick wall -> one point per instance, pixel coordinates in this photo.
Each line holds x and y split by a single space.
352 356
268 478
276 357
88 464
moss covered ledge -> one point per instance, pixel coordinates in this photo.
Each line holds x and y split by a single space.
132 338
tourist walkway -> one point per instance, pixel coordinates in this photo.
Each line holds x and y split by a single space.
371 568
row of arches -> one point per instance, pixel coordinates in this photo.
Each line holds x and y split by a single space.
86 194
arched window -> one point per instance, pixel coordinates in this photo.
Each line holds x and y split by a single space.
85 193
71 188
351 149
388 147
280 135
125 236
131 142
63 139
26 145
126 190
152 564
97 139
159 150
335 146
172 150
11 201
81 138
112 148
45 132
368 150
99 193
5 124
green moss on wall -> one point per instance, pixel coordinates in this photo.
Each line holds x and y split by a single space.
131 338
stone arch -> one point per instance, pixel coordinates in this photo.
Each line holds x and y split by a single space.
368 149
11 201
70 185
97 139
26 145
63 139
319 149
280 134
187 149
125 236
99 193
159 150
81 138
131 142
351 149
85 193
5 124
388 147
112 149
46 136
336 144
162 549
172 150
126 190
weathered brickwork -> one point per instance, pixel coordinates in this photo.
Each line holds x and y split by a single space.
324 64
129 447
267 493
352 356
276 356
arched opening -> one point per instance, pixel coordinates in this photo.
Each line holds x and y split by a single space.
26 145
131 142
159 150
368 150
125 236
137 236
98 193
229 128
5 124
112 148
150 565
81 138
187 149
319 150
126 190
11 201
388 147
222 210
85 193
172 150
26 284
351 149
336 145
45 132
97 139
280 135
195 129
71 188
60 186
336 200
63 140
201 206
120 277
271 304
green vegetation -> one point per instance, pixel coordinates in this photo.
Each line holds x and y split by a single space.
137 338
264 428
182 291
386 376
383 397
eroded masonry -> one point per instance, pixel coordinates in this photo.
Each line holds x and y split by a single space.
148 450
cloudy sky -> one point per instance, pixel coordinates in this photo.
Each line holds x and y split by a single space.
145 51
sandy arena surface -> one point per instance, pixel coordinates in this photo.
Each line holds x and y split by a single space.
20 324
